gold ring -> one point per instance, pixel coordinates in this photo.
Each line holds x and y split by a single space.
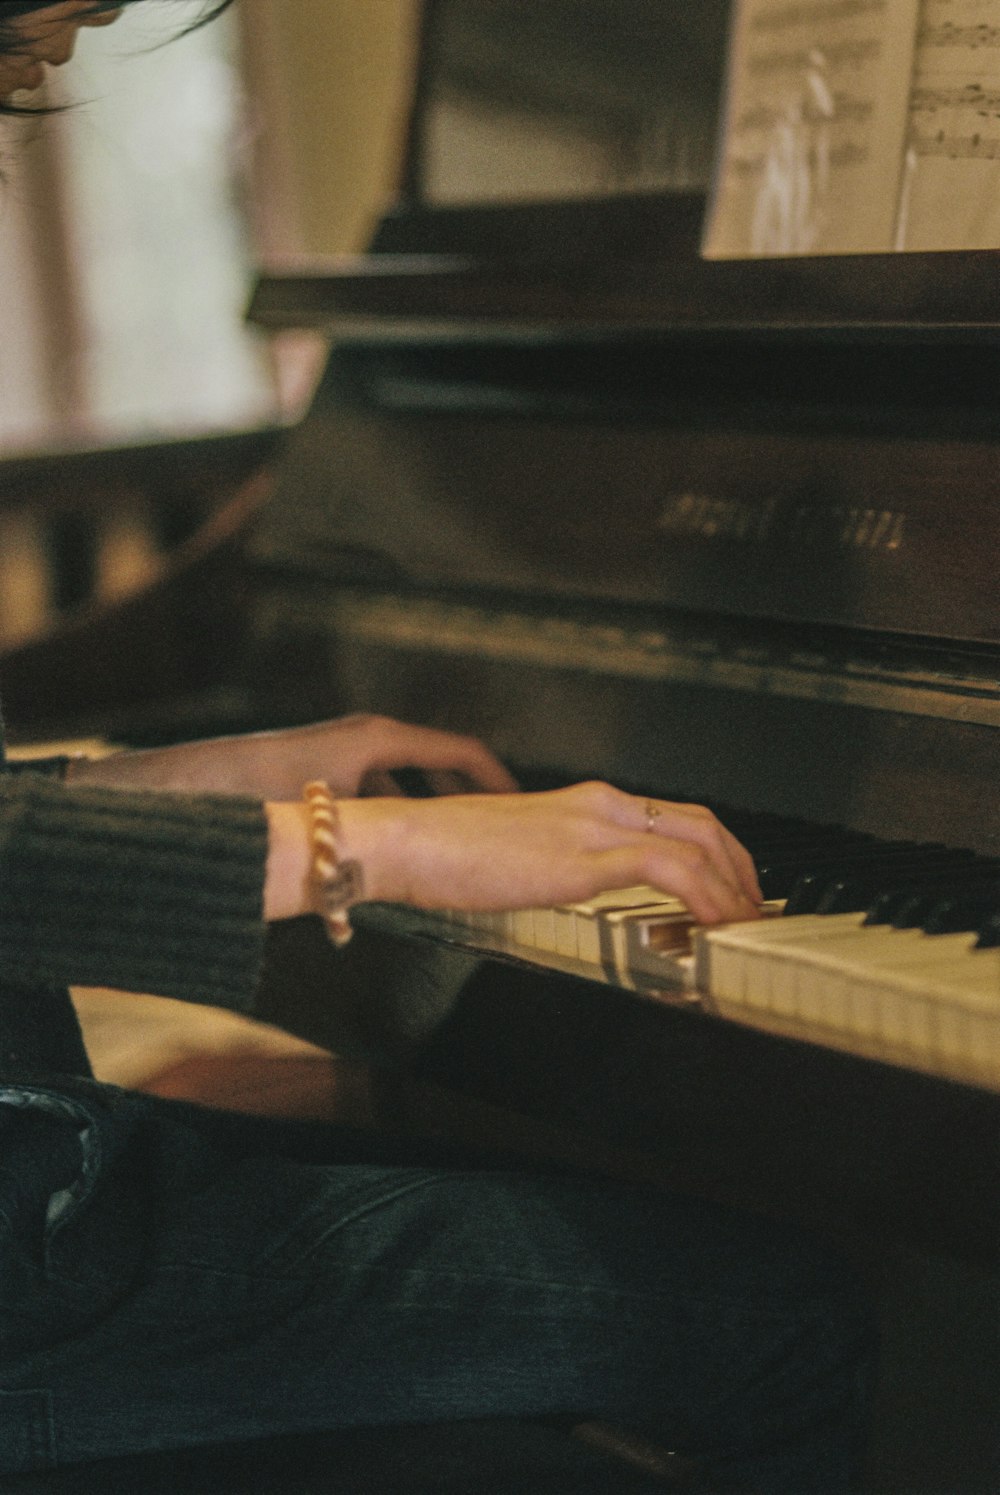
653 813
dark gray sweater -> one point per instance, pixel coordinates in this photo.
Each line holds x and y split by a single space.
146 892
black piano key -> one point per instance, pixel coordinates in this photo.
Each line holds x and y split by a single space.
989 933
916 907
843 895
852 883
932 876
897 902
977 882
905 904
965 906
829 868
953 915
779 879
779 874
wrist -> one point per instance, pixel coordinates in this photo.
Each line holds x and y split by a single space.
369 831
288 882
338 880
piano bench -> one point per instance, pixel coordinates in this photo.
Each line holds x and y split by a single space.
495 1457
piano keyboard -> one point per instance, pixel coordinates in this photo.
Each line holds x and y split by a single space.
887 951
929 1002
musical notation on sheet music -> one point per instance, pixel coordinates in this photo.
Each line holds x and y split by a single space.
974 147
949 186
860 128
984 101
962 100
968 37
814 128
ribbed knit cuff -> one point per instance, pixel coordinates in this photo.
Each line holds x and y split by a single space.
147 892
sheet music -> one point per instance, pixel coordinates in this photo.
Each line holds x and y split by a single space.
814 128
950 191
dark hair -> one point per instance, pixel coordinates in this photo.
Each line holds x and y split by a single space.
11 41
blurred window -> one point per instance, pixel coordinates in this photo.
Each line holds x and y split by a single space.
125 253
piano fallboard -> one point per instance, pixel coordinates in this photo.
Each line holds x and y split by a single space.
761 569
753 480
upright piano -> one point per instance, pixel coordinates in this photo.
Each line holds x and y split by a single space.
726 531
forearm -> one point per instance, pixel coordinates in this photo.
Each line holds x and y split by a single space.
288 887
503 851
354 754
214 766
142 891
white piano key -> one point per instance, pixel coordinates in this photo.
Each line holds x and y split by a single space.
902 995
579 925
521 926
645 942
564 931
658 943
931 1002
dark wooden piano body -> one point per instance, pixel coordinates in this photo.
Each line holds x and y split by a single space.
635 514
727 530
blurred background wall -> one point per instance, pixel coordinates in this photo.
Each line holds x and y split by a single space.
329 82
133 224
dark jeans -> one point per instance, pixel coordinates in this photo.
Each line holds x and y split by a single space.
170 1276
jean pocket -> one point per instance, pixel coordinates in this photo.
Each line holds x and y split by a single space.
93 1205
73 1140
27 1431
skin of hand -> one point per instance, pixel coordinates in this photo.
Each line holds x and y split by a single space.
477 851
498 850
506 851
354 754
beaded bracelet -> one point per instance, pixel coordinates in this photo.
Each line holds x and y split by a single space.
338 883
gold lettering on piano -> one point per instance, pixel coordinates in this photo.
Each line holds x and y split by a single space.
703 516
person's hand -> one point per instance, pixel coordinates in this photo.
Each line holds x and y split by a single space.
509 851
354 754
360 754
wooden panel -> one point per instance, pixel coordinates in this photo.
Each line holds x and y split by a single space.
175 639
631 261
644 502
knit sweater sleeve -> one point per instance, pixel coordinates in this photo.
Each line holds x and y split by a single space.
146 892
